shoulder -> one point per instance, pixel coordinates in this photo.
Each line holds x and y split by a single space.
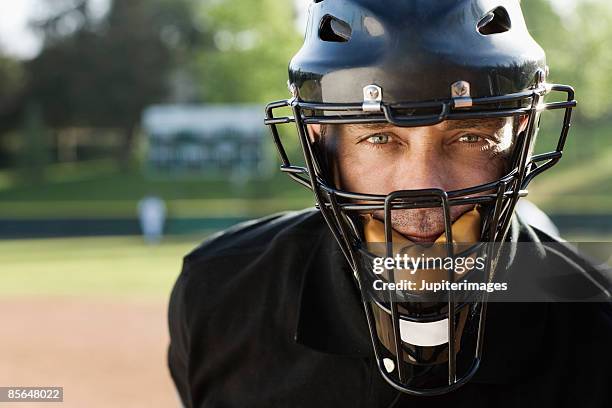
249 260
578 291
577 274
229 284
256 235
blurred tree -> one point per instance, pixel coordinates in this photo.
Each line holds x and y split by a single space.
103 72
11 80
12 84
575 36
34 153
253 42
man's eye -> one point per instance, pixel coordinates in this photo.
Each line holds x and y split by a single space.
471 138
379 139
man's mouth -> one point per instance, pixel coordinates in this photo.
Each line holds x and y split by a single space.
423 239
420 237
421 229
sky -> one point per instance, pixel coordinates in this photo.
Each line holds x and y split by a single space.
17 40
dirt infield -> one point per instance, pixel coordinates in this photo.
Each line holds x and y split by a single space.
104 352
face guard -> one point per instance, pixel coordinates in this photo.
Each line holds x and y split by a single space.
414 64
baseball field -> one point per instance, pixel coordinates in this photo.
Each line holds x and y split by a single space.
88 314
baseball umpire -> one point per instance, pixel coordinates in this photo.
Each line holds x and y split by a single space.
417 120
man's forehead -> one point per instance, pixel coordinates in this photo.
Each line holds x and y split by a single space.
491 124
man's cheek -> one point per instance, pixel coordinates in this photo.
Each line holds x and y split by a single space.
364 174
363 179
472 172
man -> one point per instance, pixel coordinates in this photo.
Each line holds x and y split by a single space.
417 120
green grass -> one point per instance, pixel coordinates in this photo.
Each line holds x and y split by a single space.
112 266
581 187
214 207
103 181
97 189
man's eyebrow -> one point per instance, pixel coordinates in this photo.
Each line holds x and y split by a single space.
367 126
491 124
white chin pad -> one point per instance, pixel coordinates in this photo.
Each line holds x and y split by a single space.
424 334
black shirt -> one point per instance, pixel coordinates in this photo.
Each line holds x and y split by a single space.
267 314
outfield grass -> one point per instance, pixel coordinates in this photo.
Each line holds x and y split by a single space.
101 180
112 266
98 190
205 208
581 188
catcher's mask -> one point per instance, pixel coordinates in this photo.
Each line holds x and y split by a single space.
413 64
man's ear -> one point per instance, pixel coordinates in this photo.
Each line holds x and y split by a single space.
314 132
523 122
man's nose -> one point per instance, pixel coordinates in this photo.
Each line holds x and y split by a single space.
422 166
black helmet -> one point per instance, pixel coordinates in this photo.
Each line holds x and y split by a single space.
419 63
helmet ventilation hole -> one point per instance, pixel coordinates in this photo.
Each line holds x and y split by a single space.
333 29
495 22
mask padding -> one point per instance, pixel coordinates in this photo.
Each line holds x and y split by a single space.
495 22
334 30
